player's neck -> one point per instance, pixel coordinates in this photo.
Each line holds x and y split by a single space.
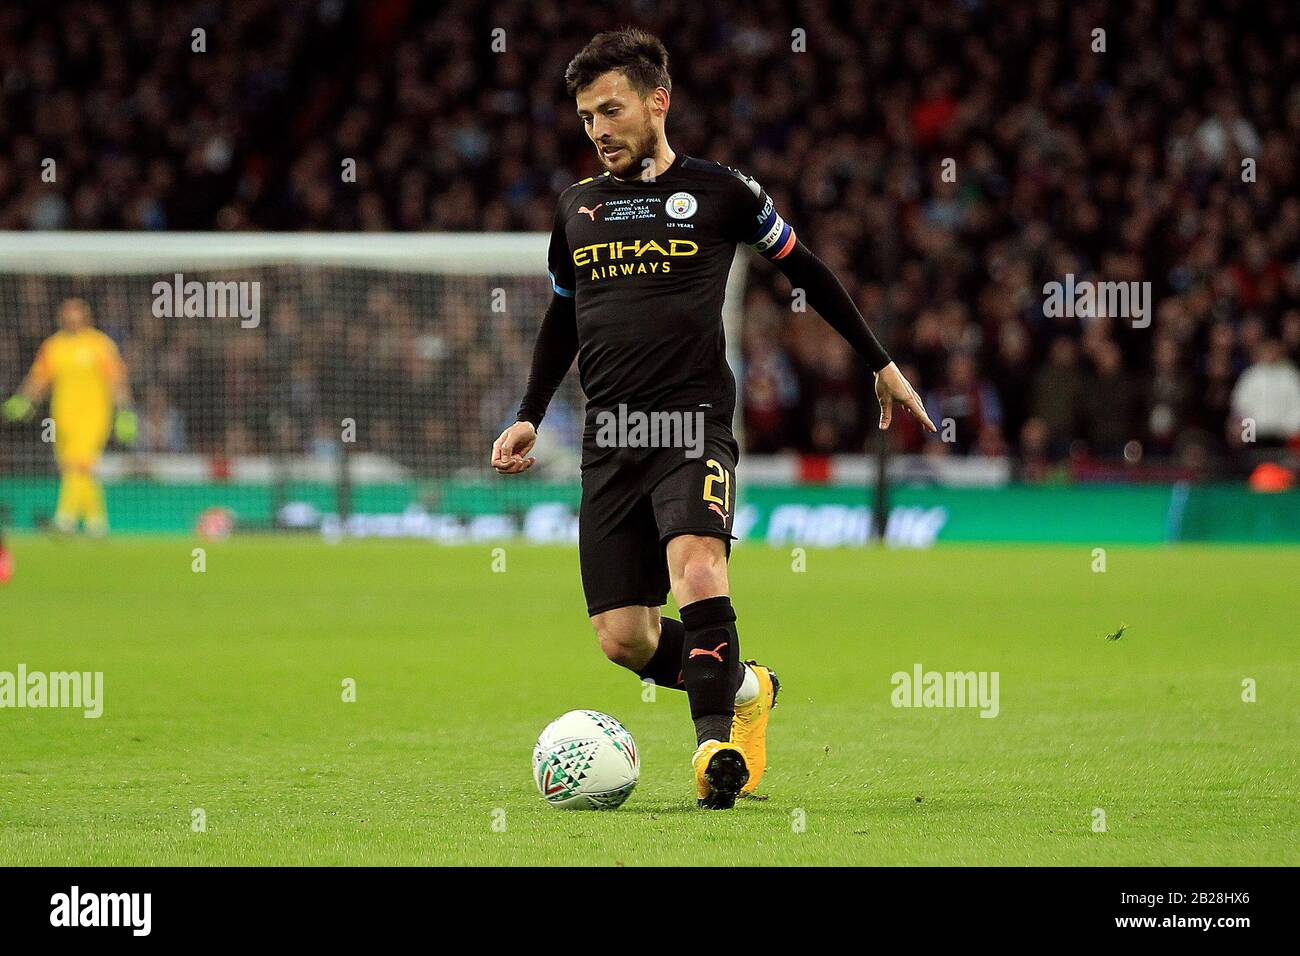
664 157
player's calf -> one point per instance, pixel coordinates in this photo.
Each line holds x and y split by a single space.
664 667
653 647
711 666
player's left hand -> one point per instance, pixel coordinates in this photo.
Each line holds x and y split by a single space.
892 387
126 426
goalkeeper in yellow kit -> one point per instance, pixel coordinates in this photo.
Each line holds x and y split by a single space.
80 368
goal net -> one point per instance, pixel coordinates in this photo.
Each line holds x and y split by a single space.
350 384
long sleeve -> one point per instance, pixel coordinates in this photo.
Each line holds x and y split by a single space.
553 354
827 295
757 223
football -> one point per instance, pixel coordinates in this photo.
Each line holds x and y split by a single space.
585 760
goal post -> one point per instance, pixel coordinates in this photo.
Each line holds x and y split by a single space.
298 380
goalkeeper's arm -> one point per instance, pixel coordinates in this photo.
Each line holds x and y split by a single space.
22 404
126 424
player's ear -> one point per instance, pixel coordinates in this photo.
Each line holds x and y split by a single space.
659 100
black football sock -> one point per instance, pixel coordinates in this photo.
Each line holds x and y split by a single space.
665 667
711 666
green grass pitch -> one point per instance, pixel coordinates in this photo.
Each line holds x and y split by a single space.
223 692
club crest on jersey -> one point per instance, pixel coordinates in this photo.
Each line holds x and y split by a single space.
681 205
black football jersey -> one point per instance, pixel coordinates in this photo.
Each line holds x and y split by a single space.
646 264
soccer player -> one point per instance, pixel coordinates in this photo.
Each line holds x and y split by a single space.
638 261
81 369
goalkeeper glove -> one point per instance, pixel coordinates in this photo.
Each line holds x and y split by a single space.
17 408
126 426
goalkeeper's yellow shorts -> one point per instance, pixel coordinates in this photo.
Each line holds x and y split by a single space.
80 444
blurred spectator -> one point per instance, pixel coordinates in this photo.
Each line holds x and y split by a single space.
771 392
161 427
1109 403
972 406
1268 394
1170 395
1058 395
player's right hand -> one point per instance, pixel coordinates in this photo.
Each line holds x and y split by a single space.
17 408
509 450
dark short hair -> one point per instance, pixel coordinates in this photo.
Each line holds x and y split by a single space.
638 54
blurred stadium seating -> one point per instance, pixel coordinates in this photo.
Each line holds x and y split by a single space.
1123 165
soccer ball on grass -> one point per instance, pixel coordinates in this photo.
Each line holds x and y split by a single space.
585 760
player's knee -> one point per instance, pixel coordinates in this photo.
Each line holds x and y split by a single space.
624 639
620 652
703 575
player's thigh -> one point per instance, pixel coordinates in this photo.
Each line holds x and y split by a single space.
619 549
80 445
694 505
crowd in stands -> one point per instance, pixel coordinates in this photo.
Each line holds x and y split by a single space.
948 158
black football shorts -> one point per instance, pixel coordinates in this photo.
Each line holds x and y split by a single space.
635 499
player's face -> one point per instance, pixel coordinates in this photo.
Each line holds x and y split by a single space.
74 315
619 122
